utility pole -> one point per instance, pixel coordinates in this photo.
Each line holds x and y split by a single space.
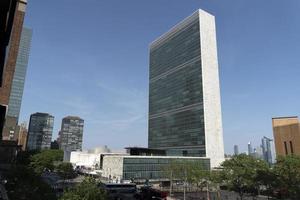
171 183
207 191
184 184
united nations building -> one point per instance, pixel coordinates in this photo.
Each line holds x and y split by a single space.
184 93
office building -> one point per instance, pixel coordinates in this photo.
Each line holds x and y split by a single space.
286 131
16 94
70 135
40 131
22 138
184 94
10 131
257 153
54 145
250 149
236 150
267 152
142 168
12 14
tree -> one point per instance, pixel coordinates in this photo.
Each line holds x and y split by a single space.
240 174
196 175
65 170
87 190
287 171
267 179
23 183
189 172
45 160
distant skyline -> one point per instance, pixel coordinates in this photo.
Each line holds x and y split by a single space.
90 59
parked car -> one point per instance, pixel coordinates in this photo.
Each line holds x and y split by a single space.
147 193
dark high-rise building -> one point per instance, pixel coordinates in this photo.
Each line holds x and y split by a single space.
40 131
12 14
184 97
70 135
54 145
16 93
236 150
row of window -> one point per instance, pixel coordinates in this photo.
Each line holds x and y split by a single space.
182 47
179 89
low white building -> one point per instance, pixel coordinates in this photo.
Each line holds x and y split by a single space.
140 164
90 158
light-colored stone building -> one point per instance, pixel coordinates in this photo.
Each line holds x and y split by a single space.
91 158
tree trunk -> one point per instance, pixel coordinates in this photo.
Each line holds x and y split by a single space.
241 196
171 183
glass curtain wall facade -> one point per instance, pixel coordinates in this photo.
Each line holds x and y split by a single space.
176 101
70 136
40 131
154 168
267 149
17 88
184 94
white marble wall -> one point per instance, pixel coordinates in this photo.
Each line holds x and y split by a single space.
211 90
113 167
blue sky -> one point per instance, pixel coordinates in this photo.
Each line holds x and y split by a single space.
90 58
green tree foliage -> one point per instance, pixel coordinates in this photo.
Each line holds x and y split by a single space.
189 172
287 173
87 190
45 160
196 175
267 179
244 174
23 183
65 170
23 157
240 173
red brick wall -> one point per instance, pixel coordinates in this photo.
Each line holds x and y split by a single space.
12 57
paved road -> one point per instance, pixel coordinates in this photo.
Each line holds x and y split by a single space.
225 195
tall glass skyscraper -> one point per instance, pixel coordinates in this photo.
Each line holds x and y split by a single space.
266 144
184 97
15 98
40 131
70 135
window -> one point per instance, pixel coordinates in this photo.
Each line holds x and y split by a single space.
285 147
291 146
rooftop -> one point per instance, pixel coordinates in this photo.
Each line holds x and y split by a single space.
288 117
175 157
72 117
183 23
41 114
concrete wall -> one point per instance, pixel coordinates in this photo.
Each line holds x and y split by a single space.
113 167
286 129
